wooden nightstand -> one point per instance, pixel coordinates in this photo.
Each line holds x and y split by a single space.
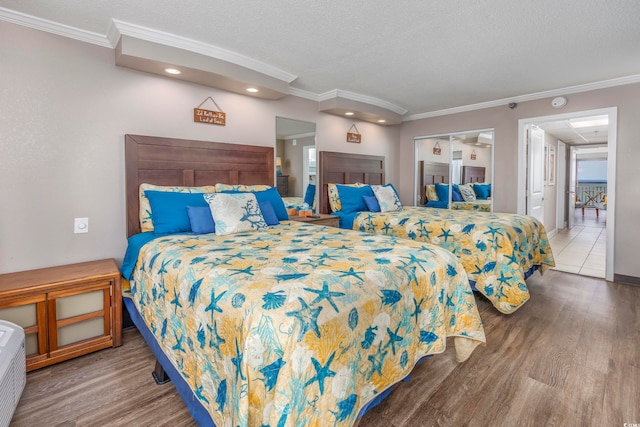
282 183
328 220
66 311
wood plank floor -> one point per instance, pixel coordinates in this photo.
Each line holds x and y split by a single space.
569 357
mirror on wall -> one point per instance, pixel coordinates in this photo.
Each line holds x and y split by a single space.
454 171
296 161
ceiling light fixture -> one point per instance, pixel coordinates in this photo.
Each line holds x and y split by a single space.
252 89
382 121
349 113
590 122
172 71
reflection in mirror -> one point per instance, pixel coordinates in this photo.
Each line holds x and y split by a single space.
296 162
465 161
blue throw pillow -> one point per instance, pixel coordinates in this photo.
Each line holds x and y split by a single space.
268 213
483 191
310 195
201 219
169 210
456 196
442 190
351 197
371 203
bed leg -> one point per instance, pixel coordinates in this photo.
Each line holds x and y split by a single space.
159 375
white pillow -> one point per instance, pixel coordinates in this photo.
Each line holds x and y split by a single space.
235 212
387 198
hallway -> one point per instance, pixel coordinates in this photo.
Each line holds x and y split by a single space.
582 250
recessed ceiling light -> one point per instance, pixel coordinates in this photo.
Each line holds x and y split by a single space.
349 113
252 89
382 121
172 71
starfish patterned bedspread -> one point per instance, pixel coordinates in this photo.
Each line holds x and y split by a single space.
300 324
478 205
498 250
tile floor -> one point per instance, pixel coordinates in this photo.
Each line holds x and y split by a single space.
582 250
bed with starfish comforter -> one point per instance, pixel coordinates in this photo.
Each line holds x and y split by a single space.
299 324
498 251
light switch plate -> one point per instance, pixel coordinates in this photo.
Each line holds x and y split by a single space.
81 225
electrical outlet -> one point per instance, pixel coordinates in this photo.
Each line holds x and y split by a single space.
81 225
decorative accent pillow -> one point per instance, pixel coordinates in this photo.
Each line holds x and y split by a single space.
240 187
334 197
146 224
310 195
351 197
271 194
387 198
268 213
455 194
443 191
432 196
235 212
200 219
483 191
467 192
372 203
169 210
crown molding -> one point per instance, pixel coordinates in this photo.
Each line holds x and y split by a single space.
172 40
301 93
53 27
529 97
338 93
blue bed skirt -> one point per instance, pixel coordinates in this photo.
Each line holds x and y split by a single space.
197 411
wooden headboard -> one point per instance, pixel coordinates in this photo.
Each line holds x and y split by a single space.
473 174
343 168
431 173
183 162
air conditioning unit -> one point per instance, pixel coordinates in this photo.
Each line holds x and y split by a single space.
13 369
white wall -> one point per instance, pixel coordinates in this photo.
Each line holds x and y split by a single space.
550 190
65 108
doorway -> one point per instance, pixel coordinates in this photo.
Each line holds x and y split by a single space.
560 194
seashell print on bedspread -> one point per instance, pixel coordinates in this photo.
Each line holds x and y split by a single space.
299 324
498 250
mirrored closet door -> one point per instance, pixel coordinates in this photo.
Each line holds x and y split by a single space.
296 161
454 171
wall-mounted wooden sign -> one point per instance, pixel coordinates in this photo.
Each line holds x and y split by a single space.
473 155
354 136
200 115
436 149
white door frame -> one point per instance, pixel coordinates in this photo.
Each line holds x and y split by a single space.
571 200
612 112
535 177
561 183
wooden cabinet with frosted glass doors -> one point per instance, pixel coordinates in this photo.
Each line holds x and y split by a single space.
66 311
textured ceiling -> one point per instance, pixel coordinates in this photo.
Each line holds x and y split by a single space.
422 56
